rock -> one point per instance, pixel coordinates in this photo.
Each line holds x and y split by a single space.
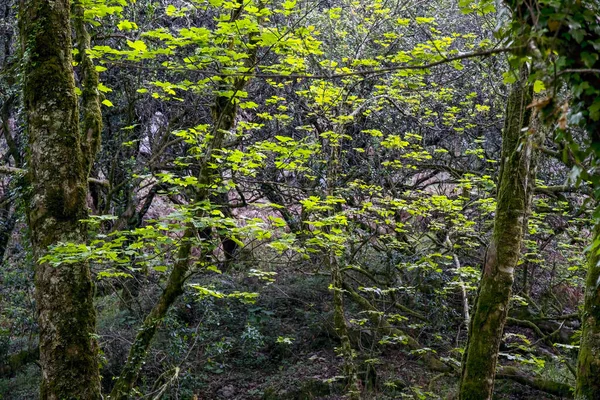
227 392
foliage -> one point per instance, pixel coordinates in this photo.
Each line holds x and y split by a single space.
350 154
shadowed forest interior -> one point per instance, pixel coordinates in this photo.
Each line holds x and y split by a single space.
298 199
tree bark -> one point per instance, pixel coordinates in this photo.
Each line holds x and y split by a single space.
588 362
57 203
491 306
572 49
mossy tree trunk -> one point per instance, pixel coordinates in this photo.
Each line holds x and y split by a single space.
491 306
341 328
588 362
58 161
571 48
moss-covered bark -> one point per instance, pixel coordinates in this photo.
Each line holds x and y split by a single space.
91 124
588 362
491 307
569 47
57 202
339 321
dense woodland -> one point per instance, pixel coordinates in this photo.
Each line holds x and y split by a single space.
296 199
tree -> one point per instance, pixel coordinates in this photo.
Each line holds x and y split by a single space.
570 37
224 112
285 179
517 174
59 160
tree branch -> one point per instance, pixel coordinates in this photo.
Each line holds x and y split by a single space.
377 71
543 385
7 170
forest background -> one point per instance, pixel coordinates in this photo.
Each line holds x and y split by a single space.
299 199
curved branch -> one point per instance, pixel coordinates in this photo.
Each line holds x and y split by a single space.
430 359
543 385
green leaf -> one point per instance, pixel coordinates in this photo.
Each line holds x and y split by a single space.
589 59
538 86
104 89
423 20
107 103
126 25
509 77
289 4
595 110
137 45
171 10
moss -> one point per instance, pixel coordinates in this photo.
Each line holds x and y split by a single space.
91 125
588 362
491 306
57 201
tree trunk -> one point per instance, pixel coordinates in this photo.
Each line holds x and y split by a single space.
339 320
588 362
57 202
571 48
491 307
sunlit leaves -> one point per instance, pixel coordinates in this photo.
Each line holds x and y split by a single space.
126 25
538 86
394 142
137 45
482 7
97 9
203 292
